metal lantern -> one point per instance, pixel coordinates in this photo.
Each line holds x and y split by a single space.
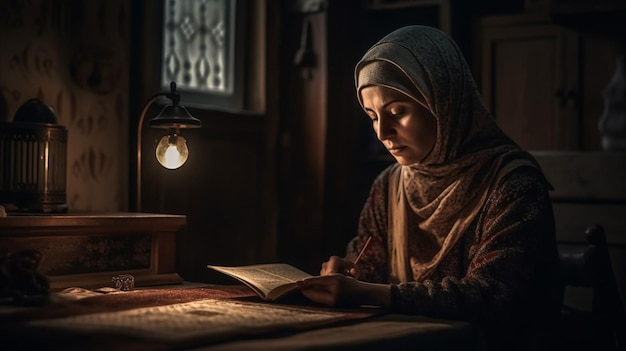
33 161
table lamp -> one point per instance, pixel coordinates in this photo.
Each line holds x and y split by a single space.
171 150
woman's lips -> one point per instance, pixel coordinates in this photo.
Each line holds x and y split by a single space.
396 149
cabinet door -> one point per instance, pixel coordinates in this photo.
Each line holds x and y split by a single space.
530 81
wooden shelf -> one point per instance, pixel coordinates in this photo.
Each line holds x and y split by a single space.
87 250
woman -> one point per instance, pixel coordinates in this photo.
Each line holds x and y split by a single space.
461 226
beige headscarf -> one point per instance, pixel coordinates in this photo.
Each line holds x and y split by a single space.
449 186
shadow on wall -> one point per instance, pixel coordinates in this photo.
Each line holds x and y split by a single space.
86 84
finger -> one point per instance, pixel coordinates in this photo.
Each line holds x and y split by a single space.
351 272
324 268
333 265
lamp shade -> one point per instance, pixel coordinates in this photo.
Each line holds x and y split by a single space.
174 116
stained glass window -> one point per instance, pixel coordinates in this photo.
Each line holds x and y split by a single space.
199 48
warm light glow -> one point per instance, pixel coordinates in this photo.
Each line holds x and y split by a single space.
172 151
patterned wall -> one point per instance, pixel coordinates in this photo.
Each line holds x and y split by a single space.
74 56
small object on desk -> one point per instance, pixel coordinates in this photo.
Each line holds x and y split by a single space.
123 282
3 212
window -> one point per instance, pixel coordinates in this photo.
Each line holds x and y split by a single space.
202 52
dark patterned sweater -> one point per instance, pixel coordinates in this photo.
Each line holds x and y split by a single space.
501 273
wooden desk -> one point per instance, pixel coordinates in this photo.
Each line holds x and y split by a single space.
87 249
211 318
384 332
388 332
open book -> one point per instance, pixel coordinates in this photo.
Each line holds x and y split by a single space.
270 281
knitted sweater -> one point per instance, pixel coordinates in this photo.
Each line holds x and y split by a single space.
500 274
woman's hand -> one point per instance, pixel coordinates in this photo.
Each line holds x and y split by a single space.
339 290
336 264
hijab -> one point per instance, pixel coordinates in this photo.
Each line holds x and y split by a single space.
432 203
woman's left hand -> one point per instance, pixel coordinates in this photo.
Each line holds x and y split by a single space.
339 290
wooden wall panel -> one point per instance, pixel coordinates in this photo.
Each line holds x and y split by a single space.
585 176
589 188
220 189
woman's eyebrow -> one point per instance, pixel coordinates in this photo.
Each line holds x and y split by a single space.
386 104
393 101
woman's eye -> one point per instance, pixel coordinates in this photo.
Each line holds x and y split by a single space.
397 113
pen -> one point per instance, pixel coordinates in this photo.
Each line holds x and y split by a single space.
367 242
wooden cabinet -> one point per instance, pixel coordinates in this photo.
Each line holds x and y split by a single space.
87 250
530 80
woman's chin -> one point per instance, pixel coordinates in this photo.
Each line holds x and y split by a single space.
407 159
408 162
403 161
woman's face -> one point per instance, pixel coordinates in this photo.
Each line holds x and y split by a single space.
406 128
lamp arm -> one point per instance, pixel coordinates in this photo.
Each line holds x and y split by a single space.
139 129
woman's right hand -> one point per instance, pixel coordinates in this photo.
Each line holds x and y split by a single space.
336 264
338 290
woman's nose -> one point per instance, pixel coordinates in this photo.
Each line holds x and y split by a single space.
385 129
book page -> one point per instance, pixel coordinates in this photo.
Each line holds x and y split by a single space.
265 277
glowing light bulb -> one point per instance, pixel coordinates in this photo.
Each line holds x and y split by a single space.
172 151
